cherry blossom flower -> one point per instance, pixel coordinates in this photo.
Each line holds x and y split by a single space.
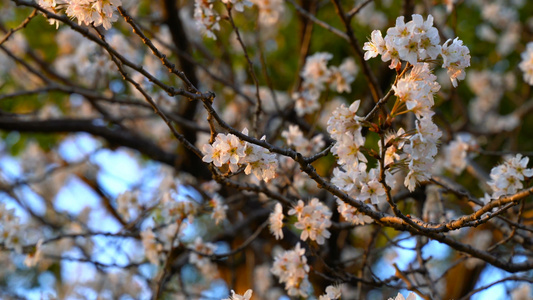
332 293
526 65
417 41
456 153
234 296
269 11
219 208
34 258
276 221
206 17
376 46
291 268
151 247
411 296
506 179
238 4
456 57
313 220
295 137
229 149
351 214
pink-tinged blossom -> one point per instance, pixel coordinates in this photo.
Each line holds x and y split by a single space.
374 190
350 214
417 41
313 220
261 162
229 149
411 296
316 76
360 184
151 246
341 77
219 208
292 270
421 150
306 101
417 90
456 153
506 179
11 230
526 65
295 137
269 11
234 296
238 5
315 71
456 57
199 260
345 120
206 18
332 293
395 142
276 221
96 12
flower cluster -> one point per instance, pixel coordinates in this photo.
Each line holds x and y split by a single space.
417 90
151 246
360 184
238 5
415 93
219 208
96 12
411 296
332 293
11 231
203 263
234 296
456 57
345 127
82 58
296 139
455 153
350 214
526 65
490 87
173 210
276 221
313 220
128 204
206 18
163 239
421 150
229 149
507 178
292 269
316 76
269 11
417 41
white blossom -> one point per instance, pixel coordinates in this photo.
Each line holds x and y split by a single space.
234 296
526 65
291 268
313 220
206 17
